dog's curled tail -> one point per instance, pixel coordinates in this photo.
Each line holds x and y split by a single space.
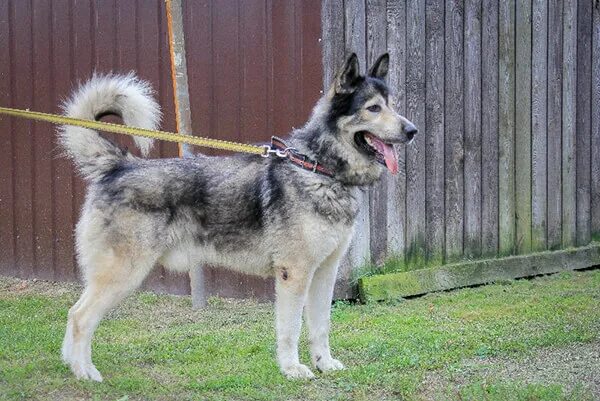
124 95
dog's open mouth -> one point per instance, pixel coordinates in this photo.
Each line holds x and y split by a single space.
384 152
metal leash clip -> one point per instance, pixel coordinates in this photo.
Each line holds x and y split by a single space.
278 152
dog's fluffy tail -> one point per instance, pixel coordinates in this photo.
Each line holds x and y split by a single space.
124 95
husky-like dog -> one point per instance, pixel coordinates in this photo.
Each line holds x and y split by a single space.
290 217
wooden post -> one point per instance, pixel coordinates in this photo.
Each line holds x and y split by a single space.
183 115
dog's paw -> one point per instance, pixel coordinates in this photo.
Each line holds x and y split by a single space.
86 372
298 371
324 365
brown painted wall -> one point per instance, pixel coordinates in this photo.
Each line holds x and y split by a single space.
255 70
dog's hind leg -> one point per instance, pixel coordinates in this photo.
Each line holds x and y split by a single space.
107 284
317 314
291 287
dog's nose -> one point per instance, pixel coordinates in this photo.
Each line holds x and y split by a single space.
410 131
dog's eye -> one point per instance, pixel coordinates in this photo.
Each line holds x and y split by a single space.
374 108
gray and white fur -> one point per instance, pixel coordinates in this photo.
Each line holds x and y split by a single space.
261 216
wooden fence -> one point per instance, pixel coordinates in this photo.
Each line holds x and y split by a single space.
506 95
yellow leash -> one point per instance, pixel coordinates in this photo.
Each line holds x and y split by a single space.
126 130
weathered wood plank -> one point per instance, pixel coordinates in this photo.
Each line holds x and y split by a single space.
332 38
396 206
489 128
415 153
472 141
595 183
454 199
334 47
583 121
399 285
376 46
355 41
569 113
523 127
539 89
506 143
554 124
434 130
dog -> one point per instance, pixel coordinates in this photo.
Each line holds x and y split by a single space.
290 215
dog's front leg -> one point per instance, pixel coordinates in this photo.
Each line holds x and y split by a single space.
317 315
291 287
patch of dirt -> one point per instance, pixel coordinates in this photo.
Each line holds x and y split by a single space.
11 286
569 366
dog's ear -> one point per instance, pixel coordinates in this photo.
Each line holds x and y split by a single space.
380 68
347 78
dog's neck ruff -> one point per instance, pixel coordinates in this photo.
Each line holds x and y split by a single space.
301 160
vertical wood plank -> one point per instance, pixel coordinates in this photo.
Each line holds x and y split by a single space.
569 113
434 130
7 210
454 130
83 45
506 143
254 63
376 45
523 127
332 39
396 203
355 38
23 157
472 140
105 33
595 184
310 54
63 172
583 121
295 51
539 85
333 42
127 35
197 24
43 143
489 128
284 92
226 52
554 124
415 152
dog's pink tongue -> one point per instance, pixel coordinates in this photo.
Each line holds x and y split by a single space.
391 161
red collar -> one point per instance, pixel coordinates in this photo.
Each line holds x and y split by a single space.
299 159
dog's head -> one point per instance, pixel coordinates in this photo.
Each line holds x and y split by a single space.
362 124
362 113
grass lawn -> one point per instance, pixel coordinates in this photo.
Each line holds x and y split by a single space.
520 340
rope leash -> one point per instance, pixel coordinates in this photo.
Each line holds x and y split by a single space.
133 131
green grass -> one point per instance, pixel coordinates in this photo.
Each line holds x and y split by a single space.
155 347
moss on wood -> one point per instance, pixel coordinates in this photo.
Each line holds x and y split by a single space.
398 285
